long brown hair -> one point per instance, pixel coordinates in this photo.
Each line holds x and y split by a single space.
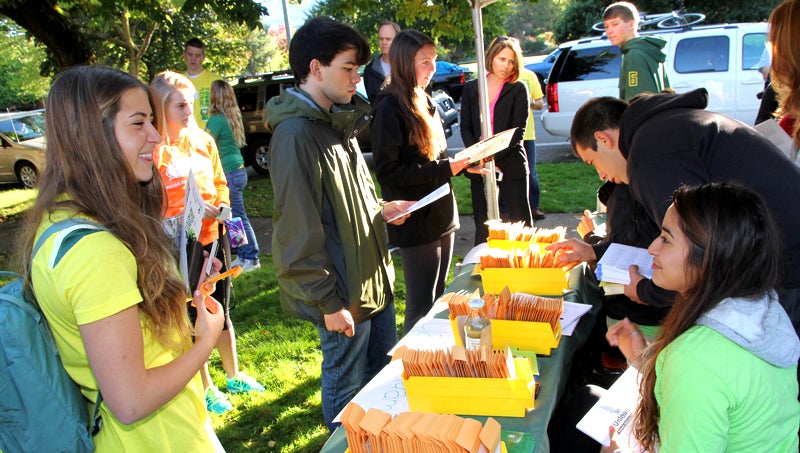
414 101
223 100
85 163
784 28
734 251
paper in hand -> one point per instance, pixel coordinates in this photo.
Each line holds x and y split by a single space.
487 148
613 266
443 190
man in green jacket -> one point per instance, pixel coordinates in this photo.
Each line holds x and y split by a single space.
329 243
642 69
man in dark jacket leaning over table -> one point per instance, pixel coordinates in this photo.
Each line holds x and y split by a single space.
329 243
658 143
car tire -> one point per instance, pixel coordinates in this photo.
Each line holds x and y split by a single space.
27 174
258 155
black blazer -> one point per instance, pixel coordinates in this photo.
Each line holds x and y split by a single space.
510 111
404 174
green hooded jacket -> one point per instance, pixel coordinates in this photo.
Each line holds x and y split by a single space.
329 243
642 69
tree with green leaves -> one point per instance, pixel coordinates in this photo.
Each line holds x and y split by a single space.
76 32
448 22
19 59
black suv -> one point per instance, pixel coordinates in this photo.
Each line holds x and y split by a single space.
253 92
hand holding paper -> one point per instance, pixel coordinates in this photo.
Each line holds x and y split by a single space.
443 190
614 265
396 212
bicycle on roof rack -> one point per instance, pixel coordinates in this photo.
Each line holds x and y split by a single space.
678 18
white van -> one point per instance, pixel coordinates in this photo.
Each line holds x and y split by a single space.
720 58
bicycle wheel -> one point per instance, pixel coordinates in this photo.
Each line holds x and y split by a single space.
684 20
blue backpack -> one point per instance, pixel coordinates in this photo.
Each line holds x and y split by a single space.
41 407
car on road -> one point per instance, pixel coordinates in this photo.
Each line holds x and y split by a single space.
253 92
22 152
721 58
450 78
542 68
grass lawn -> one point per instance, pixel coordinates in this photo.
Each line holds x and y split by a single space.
282 352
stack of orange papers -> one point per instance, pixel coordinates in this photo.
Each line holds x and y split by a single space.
517 231
508 306
526 258
455 362
458 303
410 432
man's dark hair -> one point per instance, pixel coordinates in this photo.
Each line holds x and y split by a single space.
596 114
322 38
195 42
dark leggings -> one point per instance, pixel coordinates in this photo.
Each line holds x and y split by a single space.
425 269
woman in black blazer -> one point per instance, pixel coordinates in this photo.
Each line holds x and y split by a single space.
508 106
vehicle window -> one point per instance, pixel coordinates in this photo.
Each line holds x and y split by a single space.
23 128
273 89
752 47
704 54
591 64
247 97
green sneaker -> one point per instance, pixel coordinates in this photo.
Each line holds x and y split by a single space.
216 401
242 383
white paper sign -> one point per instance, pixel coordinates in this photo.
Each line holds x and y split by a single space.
571 315
615 408
428 333
385 391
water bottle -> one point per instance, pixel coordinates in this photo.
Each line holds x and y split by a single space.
476 326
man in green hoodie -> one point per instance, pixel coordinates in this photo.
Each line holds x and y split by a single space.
642 69
329 242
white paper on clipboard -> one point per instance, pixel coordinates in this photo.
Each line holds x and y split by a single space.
443 190
487 148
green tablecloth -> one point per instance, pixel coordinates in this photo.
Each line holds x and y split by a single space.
553 370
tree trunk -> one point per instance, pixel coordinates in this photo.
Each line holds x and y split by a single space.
62 37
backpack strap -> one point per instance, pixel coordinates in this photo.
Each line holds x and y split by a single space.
71 231
74 223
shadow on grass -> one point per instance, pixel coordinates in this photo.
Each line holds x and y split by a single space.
258 423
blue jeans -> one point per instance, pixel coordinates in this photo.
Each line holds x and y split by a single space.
350 362
237 180
533 186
